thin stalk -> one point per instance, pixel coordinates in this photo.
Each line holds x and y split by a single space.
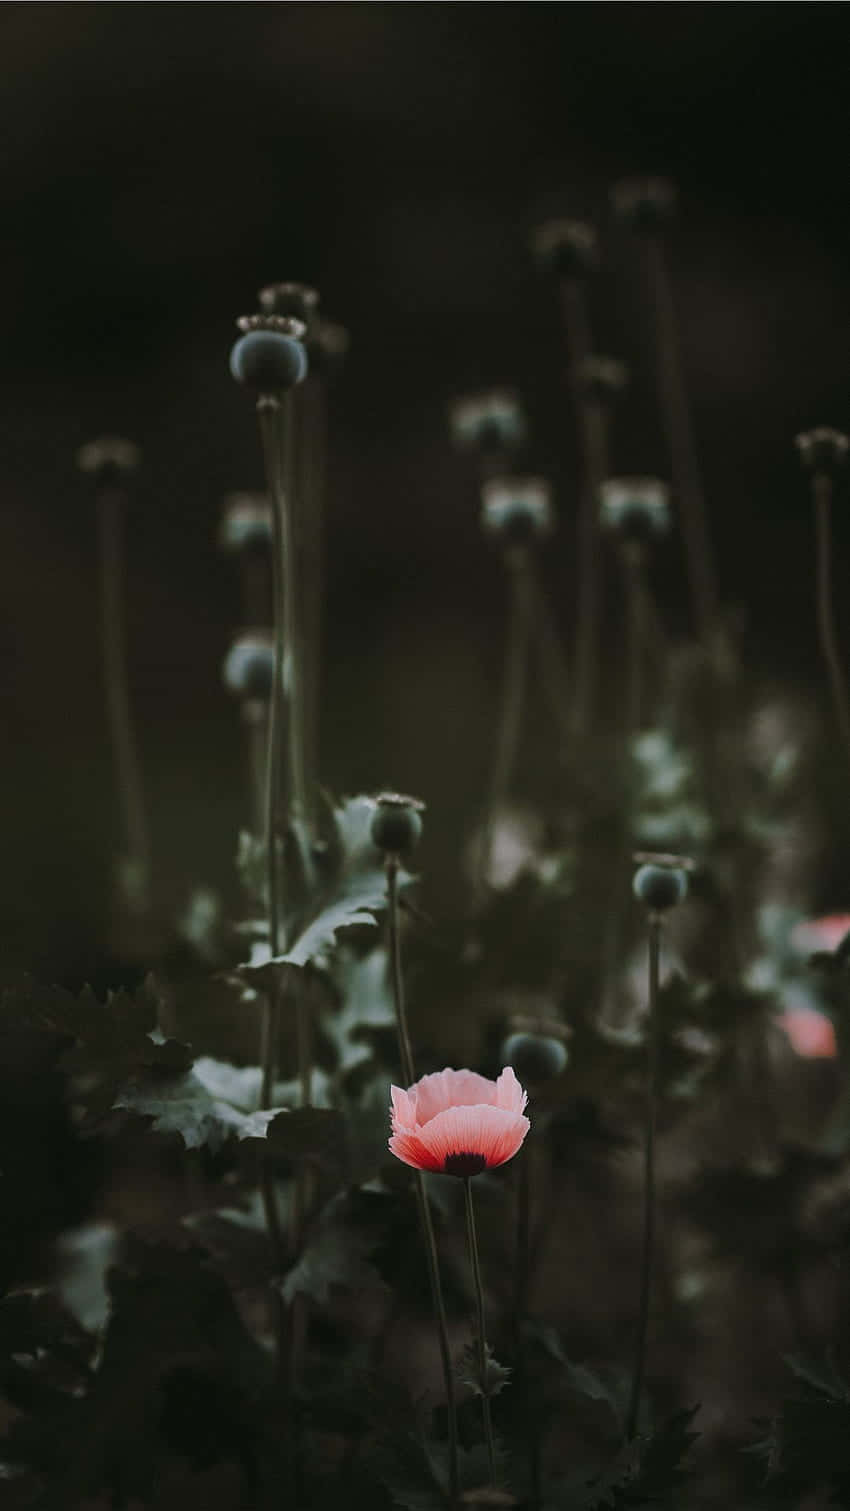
409 1076
554 672
680 440
481 1333
522 1281
267 412
636 631
404 1047
822 496
593 432
514 683
312 500
255 718
285 505
110 503
648 1177
270 1022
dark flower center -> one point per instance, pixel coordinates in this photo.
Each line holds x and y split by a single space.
464 1165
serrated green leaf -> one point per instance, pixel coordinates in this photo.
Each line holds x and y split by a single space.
183 1105
495 1375
821 1374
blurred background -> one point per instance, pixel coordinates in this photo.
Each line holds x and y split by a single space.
161 162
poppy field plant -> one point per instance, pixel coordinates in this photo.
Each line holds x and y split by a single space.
677 1223
458 1122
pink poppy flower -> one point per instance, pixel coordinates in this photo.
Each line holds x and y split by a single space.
820 934
458 1122
810 1033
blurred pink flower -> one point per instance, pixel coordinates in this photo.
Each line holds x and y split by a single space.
810 1033
820 934
458 1122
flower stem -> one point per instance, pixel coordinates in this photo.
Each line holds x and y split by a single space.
593 428
405 1052
822 495
270 1024
636 630
481 1334
522 1284
110 504
680 439
267 408
513 697
409 1075
648 1176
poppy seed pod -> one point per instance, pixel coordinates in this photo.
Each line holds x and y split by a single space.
645 204
396 825
246 522
517 510
565 248
488 422
249 665
660 888
635 506
108 459
269 356
296 300
822 450
535 1057
601 379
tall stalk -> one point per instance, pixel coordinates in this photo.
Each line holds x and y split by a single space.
110 506
480 1328
409 1076
648 1243
685 469
822 498
514 682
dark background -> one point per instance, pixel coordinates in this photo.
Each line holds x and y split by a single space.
161 161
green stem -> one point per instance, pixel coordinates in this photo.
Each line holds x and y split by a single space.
636 631
481 1334
125 754
285 506
513 697
522 1283
270 1024
404 1047
426 1221
648 1176
683 458
822 494
255 719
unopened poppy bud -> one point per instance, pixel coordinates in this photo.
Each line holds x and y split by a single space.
296 300
535 1057
246 522
823 449
660 888
249 665
635 506
517 509
601 379
397 825
488 422
108 459
270 356
645 204
565 248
